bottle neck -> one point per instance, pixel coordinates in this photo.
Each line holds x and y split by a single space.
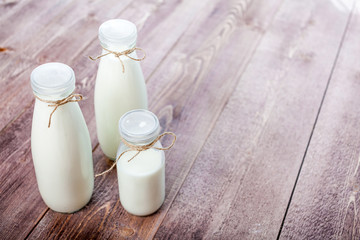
118 47
54 97
141 142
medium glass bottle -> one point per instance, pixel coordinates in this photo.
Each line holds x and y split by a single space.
142 179
60 140
120 84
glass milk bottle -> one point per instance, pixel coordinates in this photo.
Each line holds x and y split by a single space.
142 179
60 141
120 84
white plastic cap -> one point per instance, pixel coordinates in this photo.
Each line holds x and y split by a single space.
139 126
117 32
53 79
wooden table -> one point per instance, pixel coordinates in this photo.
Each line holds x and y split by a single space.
264 97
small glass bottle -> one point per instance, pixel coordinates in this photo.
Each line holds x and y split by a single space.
120 85
62 153
142 179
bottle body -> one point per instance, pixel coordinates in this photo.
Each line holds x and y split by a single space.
142 180
62 156
116 92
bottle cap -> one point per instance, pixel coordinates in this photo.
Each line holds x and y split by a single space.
53 79
117 33
139 126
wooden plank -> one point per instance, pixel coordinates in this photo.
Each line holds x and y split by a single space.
195 67
241 181
326 201
20 204
12 170
21 36
11 10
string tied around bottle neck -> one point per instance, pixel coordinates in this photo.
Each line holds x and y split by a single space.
58 103
140 148
122 53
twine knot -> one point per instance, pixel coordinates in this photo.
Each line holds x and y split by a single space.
123 53
140 148
58 103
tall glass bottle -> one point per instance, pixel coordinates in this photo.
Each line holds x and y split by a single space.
120 84
60 140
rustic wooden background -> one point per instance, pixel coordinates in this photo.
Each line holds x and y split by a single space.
263 95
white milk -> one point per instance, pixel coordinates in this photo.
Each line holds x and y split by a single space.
117 92
142 180
62 154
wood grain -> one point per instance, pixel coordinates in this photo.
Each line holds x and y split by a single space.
21 204
241 181
326 200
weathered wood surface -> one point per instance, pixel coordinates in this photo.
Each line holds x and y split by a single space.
326 201
240 82
241 187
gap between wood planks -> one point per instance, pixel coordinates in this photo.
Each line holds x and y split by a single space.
317 115
17 116
37 222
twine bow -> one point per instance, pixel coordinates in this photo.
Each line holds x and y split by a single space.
60 102
123 53
139 149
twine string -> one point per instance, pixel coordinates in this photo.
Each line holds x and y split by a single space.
58 103
139 149
119 54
